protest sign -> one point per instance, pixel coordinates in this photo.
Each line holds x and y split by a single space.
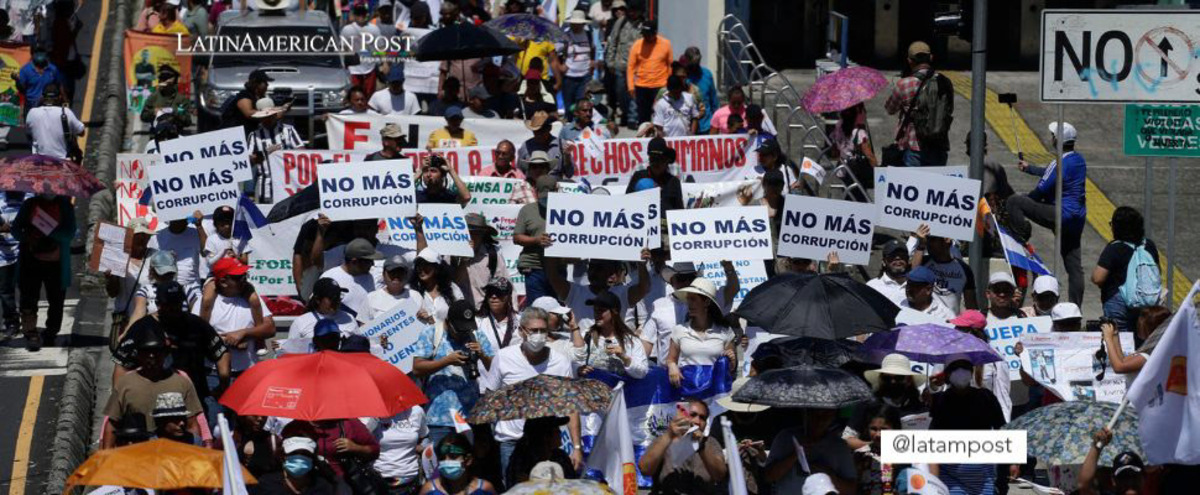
14 56
110 249
445 229
179 189
715 234
228 143
751 274
814 227
1004 335
586 226
468 160
360 132
271 257
366 190
698 158
654 221
144 54
490 190
960 171
1066 364
133 172
503 218
708 194
910 198
402 329
293 170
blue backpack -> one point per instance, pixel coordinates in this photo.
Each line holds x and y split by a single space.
1143 281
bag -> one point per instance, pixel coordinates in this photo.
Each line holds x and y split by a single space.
73 152
932 111
361 476
1143 281
891 156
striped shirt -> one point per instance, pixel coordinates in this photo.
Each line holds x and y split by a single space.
261 141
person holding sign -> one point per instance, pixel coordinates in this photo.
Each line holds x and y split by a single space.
955 282
602 275
325 304
44 228
530 234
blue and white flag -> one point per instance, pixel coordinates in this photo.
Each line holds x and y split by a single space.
1019 255
247 218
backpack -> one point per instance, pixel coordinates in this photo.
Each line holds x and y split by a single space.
932 111
1143 281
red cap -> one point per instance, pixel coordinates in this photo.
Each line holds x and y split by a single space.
533 75
970 318
229 266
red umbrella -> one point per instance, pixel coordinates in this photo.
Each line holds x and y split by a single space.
46 174
324 385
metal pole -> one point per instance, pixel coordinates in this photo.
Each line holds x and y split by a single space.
1058 198
978 98
1148 176
1171 254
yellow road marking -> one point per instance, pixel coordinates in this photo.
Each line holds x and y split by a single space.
93 70
20 468
1099 207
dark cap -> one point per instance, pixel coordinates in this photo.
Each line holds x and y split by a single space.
658 146
132 428
1127 463
148 334
258 76
362 249
770 146
605 299
894 246
166 73
169 292
326 326
355 343
649 27
396 73
328 287
498 285
921 275
461 316
454 112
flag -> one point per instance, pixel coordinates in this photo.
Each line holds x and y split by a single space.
247 218
1166 392
1020 255
737 473
613 451
232 482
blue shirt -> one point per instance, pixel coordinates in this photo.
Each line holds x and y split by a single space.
708 96
1074 187
449 388
32 84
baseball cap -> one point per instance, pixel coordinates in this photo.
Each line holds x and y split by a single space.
1127 463
754 112
326 326
397 261
148 335
1001 277
163 262
328 287
673 268
498 285
550 305
396 73
658 146
260 76
169 292
605 299
225 267
971 318
461 316
362 249
893 247
299 444
649 27
921 275
140 225
1045 283
770 146
1068 131
918 47
1065 311
818 484
454 112
428 255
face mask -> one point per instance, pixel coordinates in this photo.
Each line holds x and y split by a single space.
960 378
297 465
451 469
535 342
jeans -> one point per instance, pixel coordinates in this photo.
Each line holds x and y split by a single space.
437 433
8 295
506 452
645 103
1124 317
32 277
537 284
1022 210
572 90
925 158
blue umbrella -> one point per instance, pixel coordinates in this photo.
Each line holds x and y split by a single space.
528 27
928 343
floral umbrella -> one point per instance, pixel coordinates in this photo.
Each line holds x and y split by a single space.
1061 434
843 89
542 396
46 174
528 27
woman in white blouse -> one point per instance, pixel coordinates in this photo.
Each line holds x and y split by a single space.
705 336
609 345
432 279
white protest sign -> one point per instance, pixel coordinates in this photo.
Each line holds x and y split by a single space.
1004 335
366 190
715 234
1065 363
293 170
910 198
445 229
490 190
271 257
750 274
960 171
402 329
133 172
179 189
654 222
596 227
228 144
503 218
814 227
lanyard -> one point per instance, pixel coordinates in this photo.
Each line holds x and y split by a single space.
507 334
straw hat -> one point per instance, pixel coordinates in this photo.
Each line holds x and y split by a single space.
702 286
266 108
893 364
743 407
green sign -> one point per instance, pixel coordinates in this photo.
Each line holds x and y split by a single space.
1162 130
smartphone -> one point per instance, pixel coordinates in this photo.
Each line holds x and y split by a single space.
1007 98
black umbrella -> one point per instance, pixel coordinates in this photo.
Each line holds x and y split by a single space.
794 351
308 199
830 306
804 386
463 41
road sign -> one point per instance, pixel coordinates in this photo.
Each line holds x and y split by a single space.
1162 130
1120 56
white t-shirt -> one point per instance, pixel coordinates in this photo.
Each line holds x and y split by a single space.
358 285
386 103
511 366
493 328
381 301
936 309
230 314
675 116
399 436
352 33
666 314
579 295
186 247
438 306
889 288
46 129
952 278
216 246
700 348
304 326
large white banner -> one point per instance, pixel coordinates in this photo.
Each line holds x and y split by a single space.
271 257
595 227
133 175
1066 363
698 158
402 329
715 234
814 227
366 190
179 189
947 204
228 143
361 132
1004 335
468 160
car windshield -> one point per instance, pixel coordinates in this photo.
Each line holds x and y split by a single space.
282 54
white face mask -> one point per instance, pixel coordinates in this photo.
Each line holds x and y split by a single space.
960 378
535 342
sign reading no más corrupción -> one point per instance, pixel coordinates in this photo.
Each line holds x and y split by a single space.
1162 130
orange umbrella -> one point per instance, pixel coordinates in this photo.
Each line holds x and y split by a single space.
157 464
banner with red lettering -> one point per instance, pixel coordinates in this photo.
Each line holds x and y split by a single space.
468 161
132 175
293 170
361 132
697 159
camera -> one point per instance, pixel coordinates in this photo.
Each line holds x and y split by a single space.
470 370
